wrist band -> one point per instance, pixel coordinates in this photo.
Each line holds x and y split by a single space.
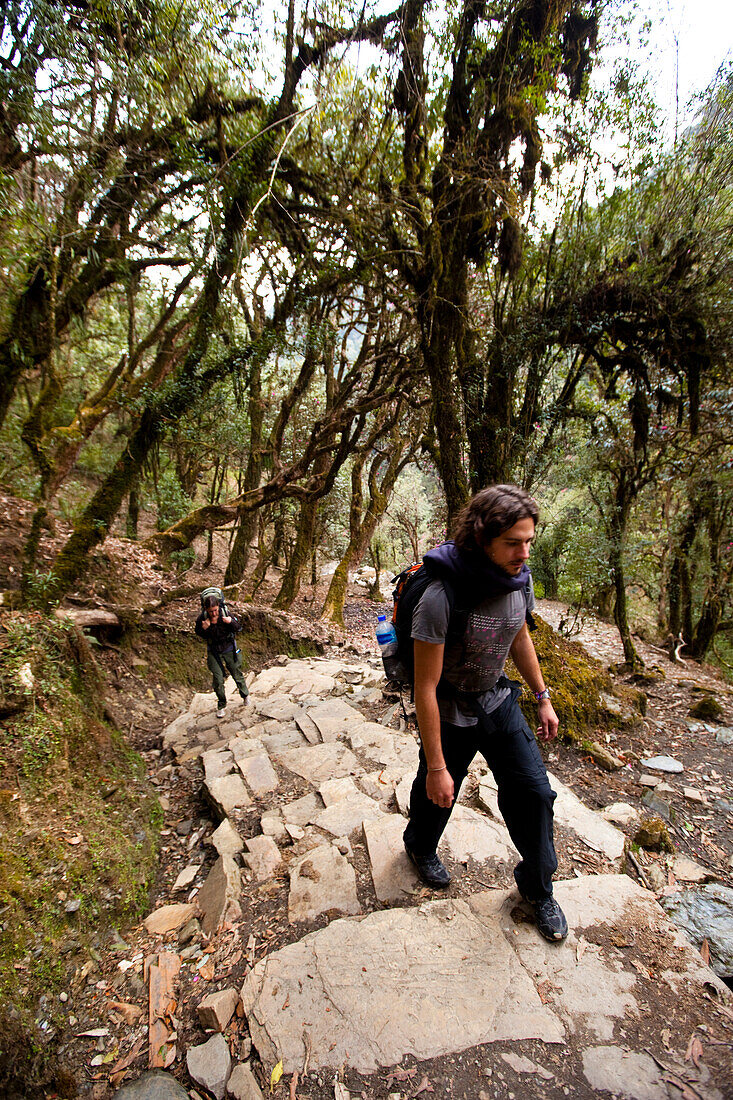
443 769
540 695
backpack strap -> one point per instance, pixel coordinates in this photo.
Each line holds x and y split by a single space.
528 616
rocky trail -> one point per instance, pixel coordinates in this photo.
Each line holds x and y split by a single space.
293 951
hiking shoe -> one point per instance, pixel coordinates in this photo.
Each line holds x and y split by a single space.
221 712
550 919
431 869
245 700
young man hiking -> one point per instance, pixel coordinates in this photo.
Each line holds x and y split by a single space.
218 632
463 631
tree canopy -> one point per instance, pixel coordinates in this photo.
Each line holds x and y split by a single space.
253 273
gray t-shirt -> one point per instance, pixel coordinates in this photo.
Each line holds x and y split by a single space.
476 661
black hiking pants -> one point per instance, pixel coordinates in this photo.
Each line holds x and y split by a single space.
524 793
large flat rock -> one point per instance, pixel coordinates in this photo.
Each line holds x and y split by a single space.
469 833
394 877
317 763
343 817
227 794
334 718
590 828
302 811
321 881
278 707
296 678
259 773
385 746
424 981
451 974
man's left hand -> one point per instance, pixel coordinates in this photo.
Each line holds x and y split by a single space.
549 722
226 618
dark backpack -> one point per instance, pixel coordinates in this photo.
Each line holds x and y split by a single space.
217 593
410 585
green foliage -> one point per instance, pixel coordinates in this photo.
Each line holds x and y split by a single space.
171 501
183 559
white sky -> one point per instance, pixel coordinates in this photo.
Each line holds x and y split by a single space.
693 37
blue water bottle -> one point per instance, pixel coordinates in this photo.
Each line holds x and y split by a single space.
387 640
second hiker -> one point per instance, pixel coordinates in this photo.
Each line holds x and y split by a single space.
464 702
217 627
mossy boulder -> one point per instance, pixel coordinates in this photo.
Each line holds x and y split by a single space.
707 709
584 696
654 835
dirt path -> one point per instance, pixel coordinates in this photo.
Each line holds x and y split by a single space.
109 997
701 831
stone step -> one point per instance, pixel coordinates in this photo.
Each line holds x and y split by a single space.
428 980
448 975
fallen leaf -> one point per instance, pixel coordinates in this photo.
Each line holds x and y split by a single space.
694 1050
705 952
424 1086
95 1033
207 972
581 949
401 1074
74 840
104 1059
641 968
276 1074
666 1036
128 1059
130 1013
545 990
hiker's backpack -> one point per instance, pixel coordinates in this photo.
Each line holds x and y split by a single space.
217 593
410 585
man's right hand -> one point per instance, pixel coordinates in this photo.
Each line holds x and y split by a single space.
206 623
439 787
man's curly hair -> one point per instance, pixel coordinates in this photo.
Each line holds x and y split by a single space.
489 513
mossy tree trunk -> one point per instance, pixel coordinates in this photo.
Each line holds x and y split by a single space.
398 452
680 585
247 527
265 554
375 553
618 521
716 508
299 556
133 513
304 542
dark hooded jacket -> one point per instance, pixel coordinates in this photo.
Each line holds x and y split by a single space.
219 637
